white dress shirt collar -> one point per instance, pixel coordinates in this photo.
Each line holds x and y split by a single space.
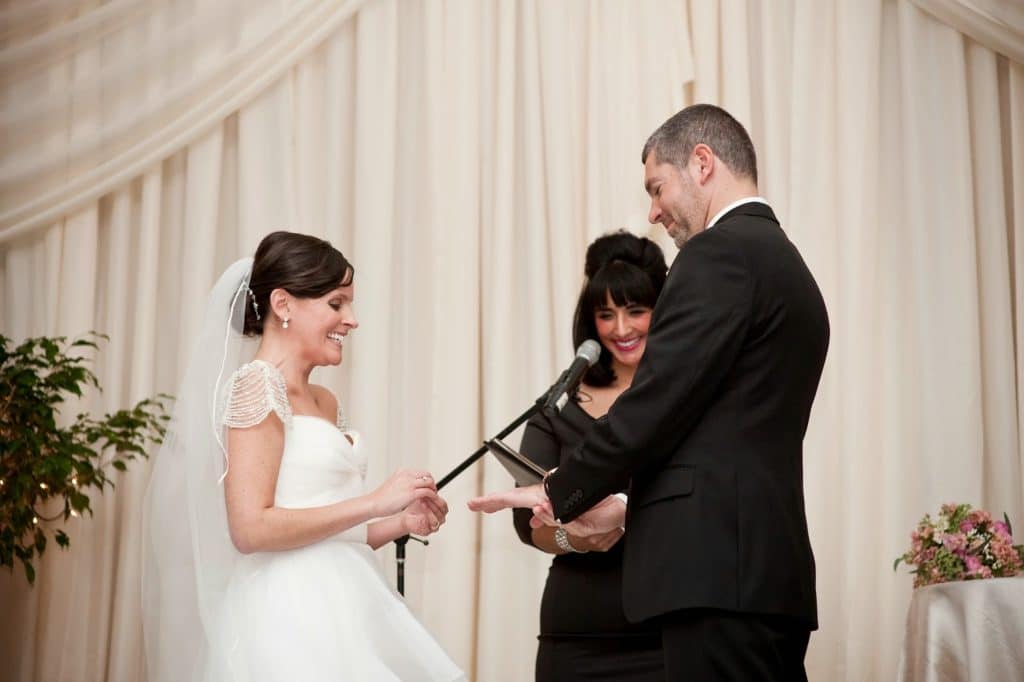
738 202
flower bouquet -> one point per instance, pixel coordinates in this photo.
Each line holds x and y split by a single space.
962 544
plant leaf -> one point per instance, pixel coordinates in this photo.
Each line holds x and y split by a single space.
62 539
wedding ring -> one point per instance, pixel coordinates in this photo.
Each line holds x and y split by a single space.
435 526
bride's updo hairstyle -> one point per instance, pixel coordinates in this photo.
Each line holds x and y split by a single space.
304 266
629 268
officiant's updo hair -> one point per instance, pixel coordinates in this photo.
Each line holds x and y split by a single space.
632 270
302 265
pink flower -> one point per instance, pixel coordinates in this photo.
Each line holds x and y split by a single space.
973 564
979 516
1004 553
955 542
1002 530
966 526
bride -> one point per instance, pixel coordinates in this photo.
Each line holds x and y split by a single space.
259 559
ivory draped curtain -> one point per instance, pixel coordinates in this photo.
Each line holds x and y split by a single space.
104 93
463 154
995 24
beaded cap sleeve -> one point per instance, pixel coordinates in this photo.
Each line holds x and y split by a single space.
257 389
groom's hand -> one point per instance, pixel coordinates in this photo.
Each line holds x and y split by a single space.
606 516
526 497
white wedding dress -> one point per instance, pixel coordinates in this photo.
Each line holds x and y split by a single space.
324 611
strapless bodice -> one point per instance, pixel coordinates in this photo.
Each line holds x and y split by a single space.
319 465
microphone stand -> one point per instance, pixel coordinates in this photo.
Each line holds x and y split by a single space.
483 448
401 542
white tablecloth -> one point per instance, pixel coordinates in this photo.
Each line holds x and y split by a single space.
971 630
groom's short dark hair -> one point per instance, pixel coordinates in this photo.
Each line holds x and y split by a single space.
675 139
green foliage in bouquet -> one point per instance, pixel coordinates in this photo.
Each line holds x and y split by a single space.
962 544
42 464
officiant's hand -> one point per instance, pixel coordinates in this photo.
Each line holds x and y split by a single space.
600 542
607 516
425 516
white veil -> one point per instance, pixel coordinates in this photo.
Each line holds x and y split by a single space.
189 556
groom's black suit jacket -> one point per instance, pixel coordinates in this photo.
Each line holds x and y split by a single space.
710 433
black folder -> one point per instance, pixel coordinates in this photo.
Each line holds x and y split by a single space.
524 470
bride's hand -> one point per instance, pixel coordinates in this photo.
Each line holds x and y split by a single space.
404 487
425 516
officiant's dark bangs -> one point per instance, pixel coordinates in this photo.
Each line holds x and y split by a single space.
302 265
626 283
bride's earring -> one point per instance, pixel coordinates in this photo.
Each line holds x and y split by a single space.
285 323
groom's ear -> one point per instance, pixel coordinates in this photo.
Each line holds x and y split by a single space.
703 163
281 303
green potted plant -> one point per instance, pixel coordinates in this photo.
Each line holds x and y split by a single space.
45 467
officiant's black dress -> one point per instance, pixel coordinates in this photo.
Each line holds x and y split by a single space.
583 632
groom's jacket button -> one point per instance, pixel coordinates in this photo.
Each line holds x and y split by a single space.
573 500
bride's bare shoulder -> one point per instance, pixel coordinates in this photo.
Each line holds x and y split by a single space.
326 401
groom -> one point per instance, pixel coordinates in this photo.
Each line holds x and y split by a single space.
710 434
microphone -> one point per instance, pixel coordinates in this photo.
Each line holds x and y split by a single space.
558 395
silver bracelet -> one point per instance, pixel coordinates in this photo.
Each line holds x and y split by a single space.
562 540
